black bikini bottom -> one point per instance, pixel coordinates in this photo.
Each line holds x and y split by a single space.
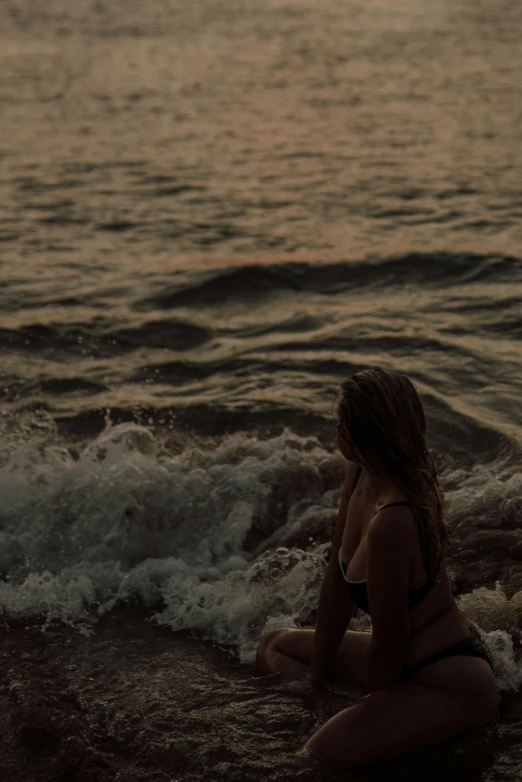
471 647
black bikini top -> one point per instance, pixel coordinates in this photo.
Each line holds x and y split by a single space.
359 590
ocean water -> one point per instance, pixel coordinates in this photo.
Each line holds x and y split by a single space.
211 213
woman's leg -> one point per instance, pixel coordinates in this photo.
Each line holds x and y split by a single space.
281 650
404 718
290 649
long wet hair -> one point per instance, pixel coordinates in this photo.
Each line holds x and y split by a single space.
384 415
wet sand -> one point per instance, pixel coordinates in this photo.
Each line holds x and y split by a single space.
138 702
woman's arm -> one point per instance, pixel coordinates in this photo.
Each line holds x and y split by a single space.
389 549
334 613
336 607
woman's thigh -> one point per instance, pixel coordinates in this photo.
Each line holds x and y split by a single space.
457 694
387 724
298 643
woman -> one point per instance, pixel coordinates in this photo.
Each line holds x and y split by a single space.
424 670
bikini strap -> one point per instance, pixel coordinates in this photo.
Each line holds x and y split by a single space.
391 504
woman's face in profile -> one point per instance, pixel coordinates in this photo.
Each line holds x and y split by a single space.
345 444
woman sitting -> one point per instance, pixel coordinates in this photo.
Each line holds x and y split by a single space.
424 669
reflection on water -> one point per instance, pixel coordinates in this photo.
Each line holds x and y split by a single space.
162 132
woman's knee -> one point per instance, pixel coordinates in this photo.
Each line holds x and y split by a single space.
269 639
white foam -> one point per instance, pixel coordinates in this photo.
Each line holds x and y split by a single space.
495 616
196 534
124 521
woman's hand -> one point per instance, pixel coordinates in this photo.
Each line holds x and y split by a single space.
317 676
317 682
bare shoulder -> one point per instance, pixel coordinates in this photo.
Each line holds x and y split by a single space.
392 528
